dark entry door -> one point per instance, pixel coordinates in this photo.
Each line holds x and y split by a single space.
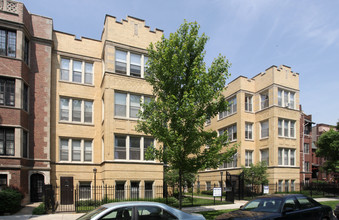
37 184
66 188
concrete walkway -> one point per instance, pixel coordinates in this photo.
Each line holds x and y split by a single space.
26 212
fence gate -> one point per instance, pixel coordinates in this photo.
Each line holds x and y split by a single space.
236 182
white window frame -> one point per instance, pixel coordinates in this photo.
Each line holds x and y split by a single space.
268 155
248 103
286 98
264 100
70 110
70 70
128 62
231 132
287 154
232 108
262 123
249 131
70 150
128 148
286 127
248 157
128 105
306 148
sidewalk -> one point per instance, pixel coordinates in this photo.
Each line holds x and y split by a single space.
26 212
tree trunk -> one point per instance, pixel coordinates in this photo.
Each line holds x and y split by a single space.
180 189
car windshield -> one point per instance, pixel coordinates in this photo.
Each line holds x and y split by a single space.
263 205
92 213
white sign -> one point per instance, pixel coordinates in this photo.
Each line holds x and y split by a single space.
266 190
217 191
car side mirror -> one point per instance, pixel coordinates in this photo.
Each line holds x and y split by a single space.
241 206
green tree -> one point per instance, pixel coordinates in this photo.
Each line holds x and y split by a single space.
186 95
328 148
256 174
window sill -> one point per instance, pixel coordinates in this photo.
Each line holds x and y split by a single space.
76 83
251 112
292 138
75 162
251 140
126 118
263 138
76 123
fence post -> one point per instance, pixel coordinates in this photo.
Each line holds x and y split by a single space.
76 200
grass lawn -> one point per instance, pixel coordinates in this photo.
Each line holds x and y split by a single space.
209 215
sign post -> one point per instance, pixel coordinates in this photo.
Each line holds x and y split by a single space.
216 192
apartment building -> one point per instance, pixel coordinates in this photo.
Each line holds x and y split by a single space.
317 162
306 153
264 119
97 86
25 77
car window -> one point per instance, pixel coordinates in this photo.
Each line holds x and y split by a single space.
251 205
153 212
305 203
290 205
124 213
92 213
264 205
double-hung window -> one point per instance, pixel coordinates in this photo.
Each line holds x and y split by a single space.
286 157
248 131
134 148
6 141
7 43
148 142
7 91
232 108
135 66
264 100
76 71
134 106
128 105
264 154
81 110
286 98
248 158
231 132
121 61
76 150
306 148
286 128
128 147
248 103
232 163
120 147
120 104
264 132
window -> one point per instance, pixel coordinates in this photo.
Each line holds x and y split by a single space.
120 104
208 185
231 132
7 91
7 43
232 163
292 185
232 108
286 185
84 190
135 67
134 148
145 65
122 108
306 148
148 142
148 189
26 51
248 103
286 157
121 61
265 156
25 98
24 144
153 212
134 106
286 128
82 111
81 150
248 131
264 129
120 190
307 166
264 101
3 181
280 183
248 158
306 203
286 98
6 141
82 72
120 147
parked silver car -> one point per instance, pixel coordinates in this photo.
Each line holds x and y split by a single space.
139 211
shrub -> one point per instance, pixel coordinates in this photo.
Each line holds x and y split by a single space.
10 200
40 210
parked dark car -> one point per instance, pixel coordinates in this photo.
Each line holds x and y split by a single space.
289 206
138 210
336 210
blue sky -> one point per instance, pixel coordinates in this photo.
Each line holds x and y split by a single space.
252 34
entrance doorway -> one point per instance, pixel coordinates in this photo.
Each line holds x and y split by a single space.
66 187
37 184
